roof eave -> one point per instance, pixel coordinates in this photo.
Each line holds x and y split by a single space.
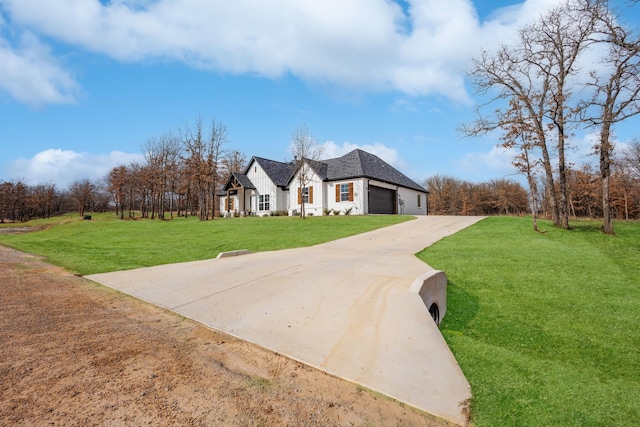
423 190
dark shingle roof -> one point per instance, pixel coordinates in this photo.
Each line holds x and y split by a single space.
278 172
358 164
242 180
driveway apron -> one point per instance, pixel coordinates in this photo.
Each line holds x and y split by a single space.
343 307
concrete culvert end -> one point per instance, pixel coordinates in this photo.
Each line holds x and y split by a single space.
233 253
432 288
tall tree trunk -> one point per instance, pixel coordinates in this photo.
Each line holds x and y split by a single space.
551 187
563 209
605 176
531 180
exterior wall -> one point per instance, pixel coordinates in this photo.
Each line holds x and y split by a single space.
247 200
283 200
358 205
324 196
264 186
319 195
408 202
224 204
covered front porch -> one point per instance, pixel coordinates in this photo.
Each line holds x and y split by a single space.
235 199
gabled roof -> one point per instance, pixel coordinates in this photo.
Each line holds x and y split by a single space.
278 172
360 164
242 180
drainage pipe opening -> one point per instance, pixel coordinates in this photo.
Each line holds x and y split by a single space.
435 313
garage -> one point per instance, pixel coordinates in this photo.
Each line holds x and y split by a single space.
382 200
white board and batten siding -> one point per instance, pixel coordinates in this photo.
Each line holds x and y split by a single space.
317 196
264 186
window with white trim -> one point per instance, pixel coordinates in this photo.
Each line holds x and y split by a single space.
344 192
305 195
263 202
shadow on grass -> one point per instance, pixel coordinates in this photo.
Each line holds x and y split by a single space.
586 227
462 307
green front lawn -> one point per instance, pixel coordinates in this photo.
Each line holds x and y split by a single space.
546 327
107 244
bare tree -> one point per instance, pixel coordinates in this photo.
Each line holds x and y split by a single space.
233 161
202 157
161 155
537 71
520 134
13 200
5 201
509 72
452 196
616 92
584 193
116 183
625 183
215 152
447 196
195 163
41 200
630 159
82 192
134 187
306 156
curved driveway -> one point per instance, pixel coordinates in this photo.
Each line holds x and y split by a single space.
343 307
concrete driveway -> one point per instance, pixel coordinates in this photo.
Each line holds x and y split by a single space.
343 307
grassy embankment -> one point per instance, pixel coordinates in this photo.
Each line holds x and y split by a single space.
107 244
546 327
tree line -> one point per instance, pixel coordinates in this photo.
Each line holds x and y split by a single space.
182 174
576 68
21 202
452 196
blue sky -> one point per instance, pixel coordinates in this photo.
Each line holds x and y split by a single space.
85 83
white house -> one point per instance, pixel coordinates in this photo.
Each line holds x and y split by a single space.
358 182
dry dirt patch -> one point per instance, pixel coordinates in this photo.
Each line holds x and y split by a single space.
73 352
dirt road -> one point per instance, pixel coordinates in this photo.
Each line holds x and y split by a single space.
75 353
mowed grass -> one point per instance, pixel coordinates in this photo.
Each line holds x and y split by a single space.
546 327
107 244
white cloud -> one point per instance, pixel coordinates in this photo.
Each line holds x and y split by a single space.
497 162
581 150
31 75
367 44
480 166
63 167
332 150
